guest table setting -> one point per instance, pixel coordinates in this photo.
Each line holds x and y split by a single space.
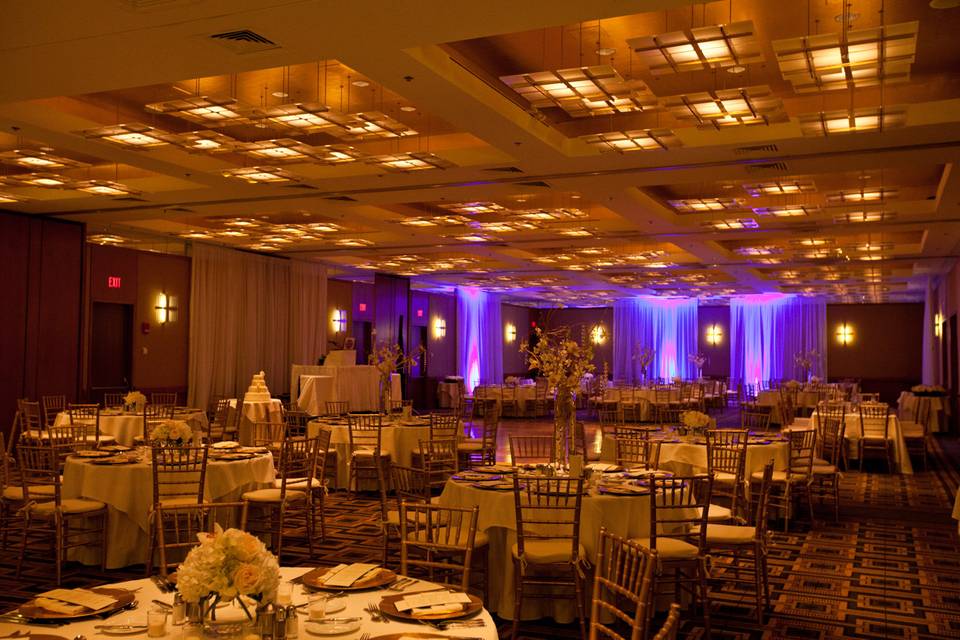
124 425
123 479
852 434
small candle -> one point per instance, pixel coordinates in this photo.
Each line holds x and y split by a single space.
318 608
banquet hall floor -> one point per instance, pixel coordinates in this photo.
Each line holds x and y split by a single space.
890 568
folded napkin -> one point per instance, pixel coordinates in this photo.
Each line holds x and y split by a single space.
437 609
602 466
57 606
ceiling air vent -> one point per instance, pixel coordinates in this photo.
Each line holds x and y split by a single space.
760 148
244 41
505 169
129 199
537 183
341 198
766 167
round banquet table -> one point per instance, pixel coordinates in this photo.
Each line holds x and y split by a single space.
258 411
936 409
125 426
521 392
147 591
627 516
400 439
624 395
688 457
127 490
771 398
852 434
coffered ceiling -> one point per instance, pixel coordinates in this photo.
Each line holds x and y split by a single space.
564 153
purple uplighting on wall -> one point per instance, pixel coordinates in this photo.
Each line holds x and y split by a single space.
667 325
479 337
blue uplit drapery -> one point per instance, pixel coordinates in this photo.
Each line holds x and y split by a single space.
667 325
479 337
768 330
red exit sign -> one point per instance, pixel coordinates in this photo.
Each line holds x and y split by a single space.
113 282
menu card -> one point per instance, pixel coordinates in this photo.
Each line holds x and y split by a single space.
432 599
344 575
84 598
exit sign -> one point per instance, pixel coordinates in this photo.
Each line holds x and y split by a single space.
113 282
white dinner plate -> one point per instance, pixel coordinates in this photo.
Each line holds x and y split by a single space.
121 629
226 444
331 627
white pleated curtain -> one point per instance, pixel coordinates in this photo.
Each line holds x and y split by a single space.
666 325
479 337
251 313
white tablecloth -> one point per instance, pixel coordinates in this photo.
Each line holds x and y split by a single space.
523 393
687 457
315 392
400 441
265 411
627 516
615 394
126 426
128 491
359 385
852 433
448 394
355 603
936 407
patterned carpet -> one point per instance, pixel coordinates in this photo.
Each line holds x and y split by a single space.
890 568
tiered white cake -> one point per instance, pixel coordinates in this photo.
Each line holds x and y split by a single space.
257 392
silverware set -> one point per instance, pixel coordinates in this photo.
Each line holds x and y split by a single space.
164 585
454 624
402 584
376 615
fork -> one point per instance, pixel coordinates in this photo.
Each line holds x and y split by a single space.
374 610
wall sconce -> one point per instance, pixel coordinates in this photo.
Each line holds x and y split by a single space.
844 334
714 334
598 334
166 308
439 328
937 321
509 333
339 320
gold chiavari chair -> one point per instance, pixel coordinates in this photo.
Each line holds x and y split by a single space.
217 427
531 449
580 445
796 478
633 448
153 415
409 485
368 461
670 416
869 397
297 471
440 460
52 405
509 403
31 426
916 432
438 541
664 409
484 450
268 434
66 440
829 450
337 407
164 398
177 528
755 419
726 458
89 416
671 626
178 480
539 406
112 400
679 506
609 416
875 432
296 421
738 549
71 522
548 556
622 589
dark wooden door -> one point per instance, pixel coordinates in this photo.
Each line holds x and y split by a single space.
111 347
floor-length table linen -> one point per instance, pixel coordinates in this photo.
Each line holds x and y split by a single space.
400 440
936 409
355 603
690 457
125 426
127 490
852 434
315 392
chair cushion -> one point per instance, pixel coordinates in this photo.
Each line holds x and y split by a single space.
470 445
912 430
819 462
730 534
779 476
718 513
671 548
272 495
72 505
298 483
824 470
724 477
103 439
179 501
16 493
547 551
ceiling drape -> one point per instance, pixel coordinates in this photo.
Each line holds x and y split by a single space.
668 326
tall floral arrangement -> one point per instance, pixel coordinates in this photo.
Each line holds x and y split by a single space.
805 360
643 357
698 360
388 359
563 362
227 565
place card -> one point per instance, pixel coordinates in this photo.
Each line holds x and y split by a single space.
432 599
84 598
346 575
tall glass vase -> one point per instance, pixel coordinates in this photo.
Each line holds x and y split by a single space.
564 419
385 394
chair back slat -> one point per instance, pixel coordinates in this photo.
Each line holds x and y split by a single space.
531 449
548 509
622 588
179 474
679 507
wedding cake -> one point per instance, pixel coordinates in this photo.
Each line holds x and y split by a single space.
257 392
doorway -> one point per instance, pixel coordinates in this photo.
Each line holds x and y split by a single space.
111 348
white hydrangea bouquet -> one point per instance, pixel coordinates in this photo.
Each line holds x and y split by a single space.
228 565
695 421
172 431
135 401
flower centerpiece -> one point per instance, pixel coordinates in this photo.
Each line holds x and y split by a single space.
563 362
172 432
134 401
927 390
698 360
388 359
805 360
228 565
644 358
791 384
696 422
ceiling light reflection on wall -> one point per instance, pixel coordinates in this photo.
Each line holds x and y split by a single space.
714 46
583 91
